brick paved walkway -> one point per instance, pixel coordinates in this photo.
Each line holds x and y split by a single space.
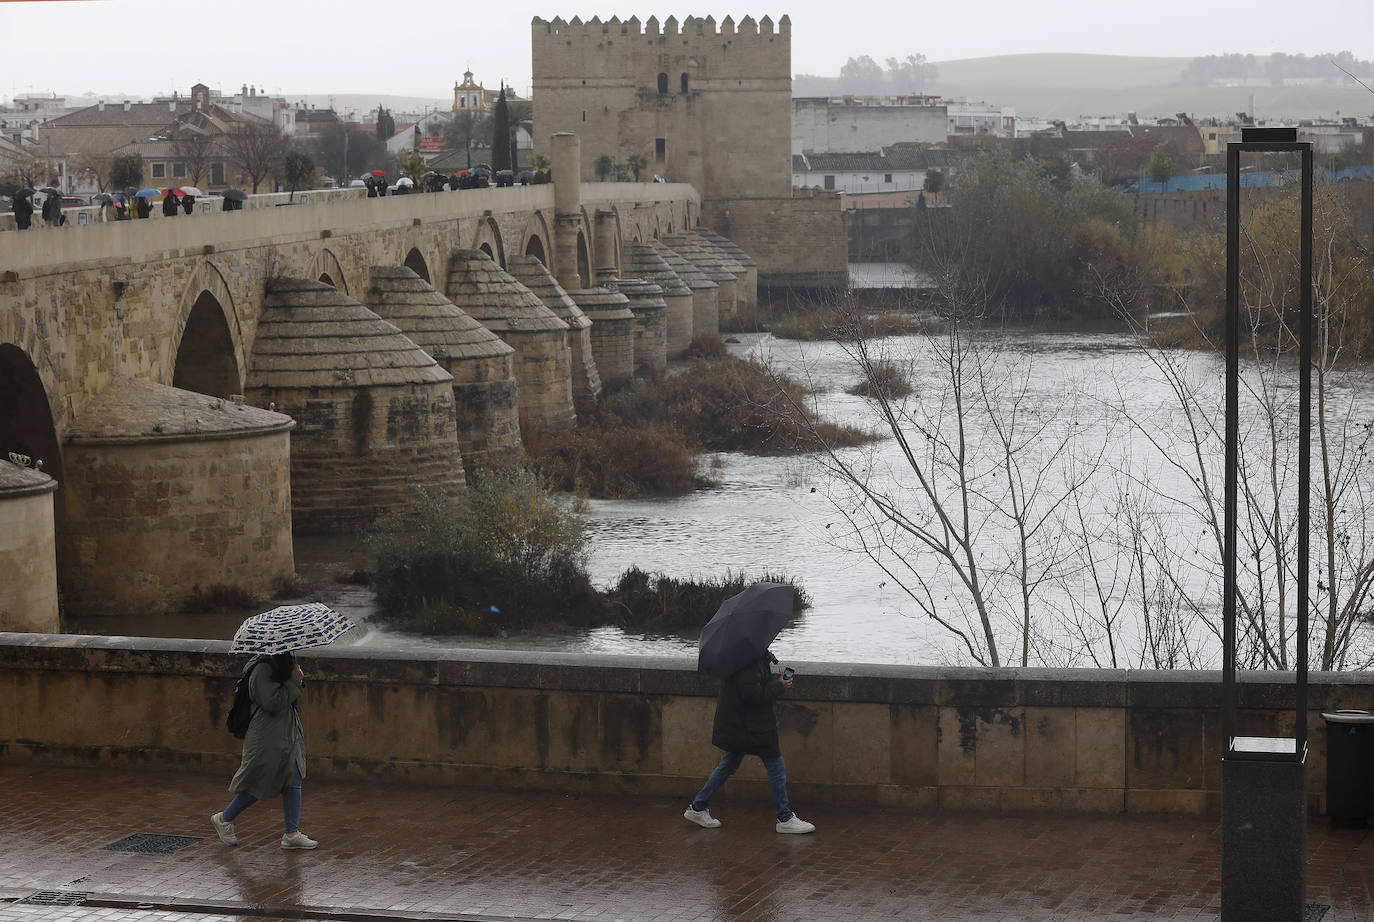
397 852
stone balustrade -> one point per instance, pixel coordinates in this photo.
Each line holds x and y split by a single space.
915 737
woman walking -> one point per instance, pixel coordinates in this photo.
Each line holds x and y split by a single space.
273 749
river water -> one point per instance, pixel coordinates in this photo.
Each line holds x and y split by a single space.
784 515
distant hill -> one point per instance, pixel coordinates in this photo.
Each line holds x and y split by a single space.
1065 86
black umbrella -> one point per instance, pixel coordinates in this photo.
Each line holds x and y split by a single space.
23 193
101 197
743 627
49 190
235 195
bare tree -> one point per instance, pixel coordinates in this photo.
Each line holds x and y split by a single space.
1343 431
256 148
196 149
963 509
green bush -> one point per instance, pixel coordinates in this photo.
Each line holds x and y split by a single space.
651 603
510 556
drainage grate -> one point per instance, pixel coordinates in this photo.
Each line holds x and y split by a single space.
148 843
1313 912
55 898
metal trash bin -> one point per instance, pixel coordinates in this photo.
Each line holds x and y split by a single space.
1349 765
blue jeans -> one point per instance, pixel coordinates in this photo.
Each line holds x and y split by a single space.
290 805
777 780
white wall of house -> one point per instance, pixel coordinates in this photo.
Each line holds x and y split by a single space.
856 182
818 126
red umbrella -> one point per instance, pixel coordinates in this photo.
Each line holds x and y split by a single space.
377 173
171 192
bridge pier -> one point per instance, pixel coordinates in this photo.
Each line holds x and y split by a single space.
170 495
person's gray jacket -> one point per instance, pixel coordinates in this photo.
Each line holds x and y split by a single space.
744 711
274 746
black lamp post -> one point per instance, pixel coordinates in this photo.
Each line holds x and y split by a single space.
1264 779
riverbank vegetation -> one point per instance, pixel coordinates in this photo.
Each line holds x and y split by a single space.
645 437
511 557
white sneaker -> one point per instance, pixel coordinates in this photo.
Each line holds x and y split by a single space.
796 826
224 829
298 839
702 818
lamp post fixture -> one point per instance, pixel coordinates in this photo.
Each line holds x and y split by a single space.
1264 778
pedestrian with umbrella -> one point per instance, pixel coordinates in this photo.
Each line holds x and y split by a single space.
273 760
169 203
734 646
23 209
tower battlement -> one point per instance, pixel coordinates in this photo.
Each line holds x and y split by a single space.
652 27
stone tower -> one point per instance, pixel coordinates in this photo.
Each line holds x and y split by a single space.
705 104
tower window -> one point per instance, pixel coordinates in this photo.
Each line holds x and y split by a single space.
660 149
684 83
663 83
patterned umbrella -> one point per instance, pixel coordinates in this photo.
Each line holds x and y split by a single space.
291 627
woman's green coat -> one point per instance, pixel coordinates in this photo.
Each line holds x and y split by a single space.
274 746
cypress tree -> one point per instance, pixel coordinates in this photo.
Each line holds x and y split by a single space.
500 134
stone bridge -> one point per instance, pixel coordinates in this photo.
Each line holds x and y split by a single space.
157 368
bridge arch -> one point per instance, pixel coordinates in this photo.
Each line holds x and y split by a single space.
26 414
209 356
537 241
327 268
488 239
415 262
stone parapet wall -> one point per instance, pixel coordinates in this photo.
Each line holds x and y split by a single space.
923 738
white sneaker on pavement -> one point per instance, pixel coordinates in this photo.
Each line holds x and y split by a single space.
796 826
702 818
298 839
224 829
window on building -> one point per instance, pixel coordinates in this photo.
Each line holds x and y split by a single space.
159 170
660 149
217 174
663 83
684 83
830 182
462 102
178 168
887 177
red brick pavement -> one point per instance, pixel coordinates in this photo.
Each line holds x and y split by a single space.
460 853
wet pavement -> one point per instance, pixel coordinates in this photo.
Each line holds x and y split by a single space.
398 852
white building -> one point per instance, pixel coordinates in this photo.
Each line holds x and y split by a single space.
886 170
838 124
975 118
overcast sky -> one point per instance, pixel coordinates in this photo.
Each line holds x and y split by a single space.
295 47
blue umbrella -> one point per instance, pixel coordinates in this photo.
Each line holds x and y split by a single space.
743 627
147 193
291 627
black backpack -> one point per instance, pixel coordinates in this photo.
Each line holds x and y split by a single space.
241 711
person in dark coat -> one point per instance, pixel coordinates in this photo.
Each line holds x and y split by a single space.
23 212
144 207
52 210
370 184
746 725
273 750
188 202
169 206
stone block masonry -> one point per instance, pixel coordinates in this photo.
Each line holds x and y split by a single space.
983 739
798 242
